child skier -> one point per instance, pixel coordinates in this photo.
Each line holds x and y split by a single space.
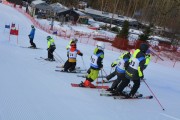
95 66
72 54
51 48
31 37
121 66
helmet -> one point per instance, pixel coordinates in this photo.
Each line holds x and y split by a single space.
132 51
148 51
100 45
32 26
48 37
75 40
144 47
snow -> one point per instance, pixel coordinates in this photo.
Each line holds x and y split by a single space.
30 89
37 2
109 15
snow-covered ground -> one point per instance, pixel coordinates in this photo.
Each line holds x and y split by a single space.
30 89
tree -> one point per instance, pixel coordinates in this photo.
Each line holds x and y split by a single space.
145 36
125 30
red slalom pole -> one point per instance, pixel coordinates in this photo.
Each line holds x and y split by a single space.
153 95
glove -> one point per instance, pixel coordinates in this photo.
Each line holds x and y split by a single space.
101 67
89 70
81 54
142 77
113 65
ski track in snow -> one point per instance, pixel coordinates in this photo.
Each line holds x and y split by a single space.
169 116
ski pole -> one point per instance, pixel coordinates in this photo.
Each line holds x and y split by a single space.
105 72
110 70
102 77
54 56
153 94
83 63
59 57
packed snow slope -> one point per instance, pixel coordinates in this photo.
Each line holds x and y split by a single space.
30 89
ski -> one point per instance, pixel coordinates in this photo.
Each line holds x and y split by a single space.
124 92
140 97
84 76
96 87
105 81
68 72
31 47
63 67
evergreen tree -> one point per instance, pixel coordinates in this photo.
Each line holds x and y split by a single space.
145 36
125 30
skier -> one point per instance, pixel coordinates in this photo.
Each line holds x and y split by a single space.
51 48
75 40
95 66
120 69
31 37
115 63
72 54
134 72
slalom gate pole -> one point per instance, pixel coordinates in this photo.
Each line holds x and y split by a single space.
153 95
83 63
59 57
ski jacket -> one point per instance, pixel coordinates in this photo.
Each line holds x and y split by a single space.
51 43
32 33
148 59
96 59
119 58
72 54
123 63
136 65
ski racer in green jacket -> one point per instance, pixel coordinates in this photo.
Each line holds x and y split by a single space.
51 48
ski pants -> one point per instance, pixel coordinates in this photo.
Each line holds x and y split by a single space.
32 43
69 66
50 53
111 75
93 75
125 83
120 76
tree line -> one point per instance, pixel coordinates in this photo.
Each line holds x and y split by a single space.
163 13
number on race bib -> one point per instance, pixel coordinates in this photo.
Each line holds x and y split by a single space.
92 59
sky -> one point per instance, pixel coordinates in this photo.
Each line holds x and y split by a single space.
30 89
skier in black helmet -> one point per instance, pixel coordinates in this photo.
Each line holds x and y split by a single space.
134 72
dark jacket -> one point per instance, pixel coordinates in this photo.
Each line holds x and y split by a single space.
136 74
